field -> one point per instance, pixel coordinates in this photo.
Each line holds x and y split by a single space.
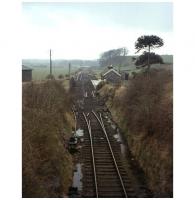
40 73
59 66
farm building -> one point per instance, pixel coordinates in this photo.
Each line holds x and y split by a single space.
26 74
112 76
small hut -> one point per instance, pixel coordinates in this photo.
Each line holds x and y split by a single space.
26 74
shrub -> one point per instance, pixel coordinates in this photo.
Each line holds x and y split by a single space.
61 76
143 97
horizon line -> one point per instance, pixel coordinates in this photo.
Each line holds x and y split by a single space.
82 58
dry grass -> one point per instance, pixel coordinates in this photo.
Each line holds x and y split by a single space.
46 164
144 111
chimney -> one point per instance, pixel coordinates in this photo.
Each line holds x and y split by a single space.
110 67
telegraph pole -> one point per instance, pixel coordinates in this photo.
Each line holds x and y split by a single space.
69 65
50 63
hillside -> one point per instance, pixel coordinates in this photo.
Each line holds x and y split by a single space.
143 109
46 127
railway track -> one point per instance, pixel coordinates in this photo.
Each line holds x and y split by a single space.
103 160
104 174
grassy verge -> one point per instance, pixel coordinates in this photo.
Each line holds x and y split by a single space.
143 109
46 126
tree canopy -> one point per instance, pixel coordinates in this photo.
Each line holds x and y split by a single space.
113 57
148 42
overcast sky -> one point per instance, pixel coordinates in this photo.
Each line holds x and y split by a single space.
85 30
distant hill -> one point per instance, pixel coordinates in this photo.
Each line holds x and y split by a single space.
33 63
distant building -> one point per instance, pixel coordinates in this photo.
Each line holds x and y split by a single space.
112 76
26 74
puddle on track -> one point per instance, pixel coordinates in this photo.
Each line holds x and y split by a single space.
79 133
119 139
77 177
113 126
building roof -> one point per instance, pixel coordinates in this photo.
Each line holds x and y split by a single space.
25 68
112 70
96 82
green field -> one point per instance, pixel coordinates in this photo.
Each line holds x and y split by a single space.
40 67
40 73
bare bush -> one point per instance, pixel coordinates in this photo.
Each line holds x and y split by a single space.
61 76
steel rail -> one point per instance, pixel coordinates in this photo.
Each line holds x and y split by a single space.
92 153
110 147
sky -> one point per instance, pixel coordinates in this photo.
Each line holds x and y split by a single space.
85 30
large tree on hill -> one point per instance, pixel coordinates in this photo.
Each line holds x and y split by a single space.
148 42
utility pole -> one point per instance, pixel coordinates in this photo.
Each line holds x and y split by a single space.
69 65
50 63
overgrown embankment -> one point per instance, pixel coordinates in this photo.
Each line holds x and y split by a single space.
143 110
46 125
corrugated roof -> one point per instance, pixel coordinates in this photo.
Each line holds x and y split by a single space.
25 68
112 70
